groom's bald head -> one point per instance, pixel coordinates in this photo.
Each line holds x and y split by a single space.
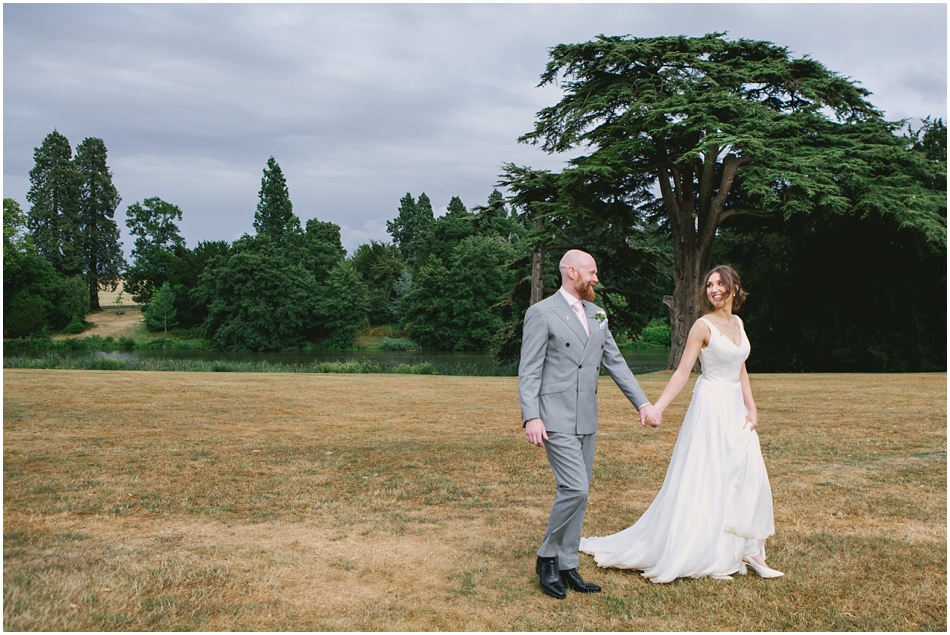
576 259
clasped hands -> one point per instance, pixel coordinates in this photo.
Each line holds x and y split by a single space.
537 435
650 415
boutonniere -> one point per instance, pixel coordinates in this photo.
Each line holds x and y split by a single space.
601 316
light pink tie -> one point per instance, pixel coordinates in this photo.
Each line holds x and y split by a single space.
579 309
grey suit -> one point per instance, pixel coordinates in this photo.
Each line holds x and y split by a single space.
557 382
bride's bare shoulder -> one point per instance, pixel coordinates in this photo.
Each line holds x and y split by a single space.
701 330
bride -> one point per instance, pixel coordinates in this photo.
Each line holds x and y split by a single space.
714 510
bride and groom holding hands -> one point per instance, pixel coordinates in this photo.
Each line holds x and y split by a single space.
714 510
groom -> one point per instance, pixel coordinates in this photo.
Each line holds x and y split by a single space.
565 343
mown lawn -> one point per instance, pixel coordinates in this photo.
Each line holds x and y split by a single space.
241 501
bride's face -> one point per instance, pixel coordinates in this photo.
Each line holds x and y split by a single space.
717 292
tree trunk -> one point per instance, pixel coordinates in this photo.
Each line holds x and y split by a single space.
92 280
693 225
537 269
94 306
682 304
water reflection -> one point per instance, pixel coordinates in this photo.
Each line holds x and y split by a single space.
640 361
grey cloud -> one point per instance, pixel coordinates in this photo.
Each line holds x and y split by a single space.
363 103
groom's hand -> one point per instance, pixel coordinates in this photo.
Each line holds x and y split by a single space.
649 415
537 435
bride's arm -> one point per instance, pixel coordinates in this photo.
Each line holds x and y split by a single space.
696 340
753 417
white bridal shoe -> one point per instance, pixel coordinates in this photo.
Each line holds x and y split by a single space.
762 570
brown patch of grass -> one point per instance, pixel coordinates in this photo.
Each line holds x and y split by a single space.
109 322
192 501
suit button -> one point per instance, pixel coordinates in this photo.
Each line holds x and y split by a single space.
580 366
568 344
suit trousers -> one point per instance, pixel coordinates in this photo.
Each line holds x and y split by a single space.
571 457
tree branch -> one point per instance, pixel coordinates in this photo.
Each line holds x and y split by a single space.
729 213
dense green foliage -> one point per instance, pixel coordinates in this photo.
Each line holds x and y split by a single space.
462 269
862 294
411 227
260 298
342 304
698 151
71 217
36 298
158 245
381 267
834 293
721 129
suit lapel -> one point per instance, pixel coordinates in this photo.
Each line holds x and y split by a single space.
595 333
566 313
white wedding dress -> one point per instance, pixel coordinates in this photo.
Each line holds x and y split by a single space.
715 505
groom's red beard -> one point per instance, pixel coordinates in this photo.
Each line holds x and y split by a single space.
585 290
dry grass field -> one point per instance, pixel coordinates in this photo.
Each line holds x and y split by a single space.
109 322
219 501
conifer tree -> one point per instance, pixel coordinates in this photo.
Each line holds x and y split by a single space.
275 213
53 217
98 234
411 227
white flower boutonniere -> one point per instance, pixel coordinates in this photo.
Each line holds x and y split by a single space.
601 316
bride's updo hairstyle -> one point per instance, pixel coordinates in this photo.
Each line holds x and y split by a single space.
731 280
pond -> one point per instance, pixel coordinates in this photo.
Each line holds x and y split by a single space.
640 361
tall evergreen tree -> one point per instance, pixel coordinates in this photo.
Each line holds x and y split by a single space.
54 204
102 259
275 213
410 229
424 214
449 230
402 228
456 207
495 219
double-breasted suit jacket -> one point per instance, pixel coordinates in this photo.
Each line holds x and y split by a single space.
560 365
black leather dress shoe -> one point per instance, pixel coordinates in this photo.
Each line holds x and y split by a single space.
573 581
549 577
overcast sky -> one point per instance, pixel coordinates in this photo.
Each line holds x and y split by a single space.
361 104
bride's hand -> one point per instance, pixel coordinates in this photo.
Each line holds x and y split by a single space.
752 420
650 415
